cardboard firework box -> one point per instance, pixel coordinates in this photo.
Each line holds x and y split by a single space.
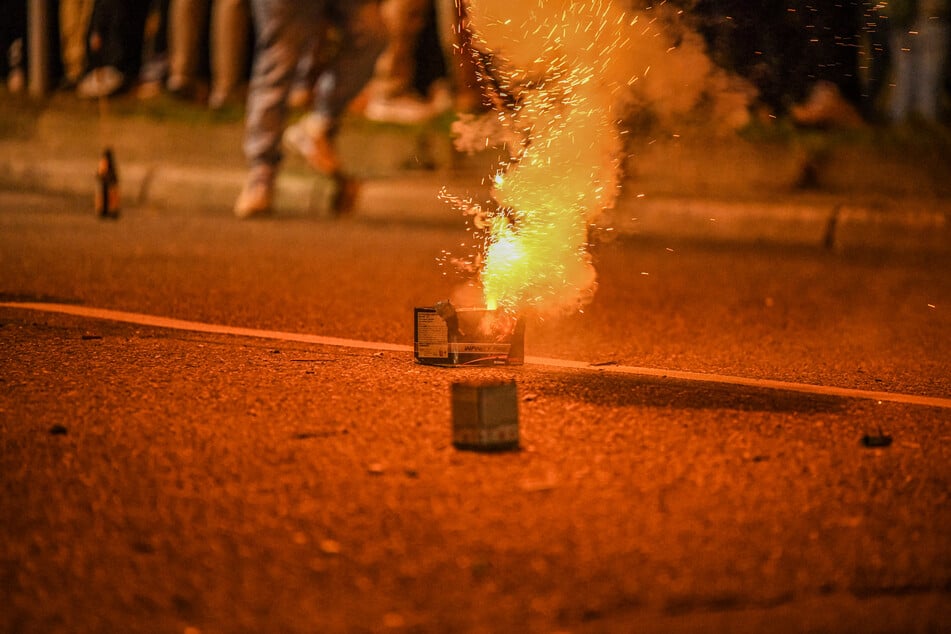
485 416
448 336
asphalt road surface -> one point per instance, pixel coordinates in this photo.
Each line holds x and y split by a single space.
166 480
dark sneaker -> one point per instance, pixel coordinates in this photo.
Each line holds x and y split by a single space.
344 198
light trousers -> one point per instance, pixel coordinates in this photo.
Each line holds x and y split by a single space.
285 31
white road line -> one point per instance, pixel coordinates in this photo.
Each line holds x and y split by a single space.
197 326
767 384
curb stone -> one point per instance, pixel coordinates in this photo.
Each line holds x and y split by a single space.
827 221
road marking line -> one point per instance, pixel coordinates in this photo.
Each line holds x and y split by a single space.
142 319
767 384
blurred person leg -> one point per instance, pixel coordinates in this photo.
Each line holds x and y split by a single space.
404 19
280 35
919 48
457 51
430 76
73 24
155 53
931 58
360 39
833 31
363 39
284 29
392 96
114 47
13 45
308 67
874 61
230 36
188 26
903 65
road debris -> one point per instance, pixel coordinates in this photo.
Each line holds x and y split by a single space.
873 441
536 485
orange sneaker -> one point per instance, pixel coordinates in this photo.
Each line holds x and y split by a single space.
308 138
257 195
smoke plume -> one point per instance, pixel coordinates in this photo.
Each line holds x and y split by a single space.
562 74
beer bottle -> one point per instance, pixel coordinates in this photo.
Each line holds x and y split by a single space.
107 193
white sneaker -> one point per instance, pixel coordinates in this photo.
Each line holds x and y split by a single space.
221 97
405 110
100 82
16 80
440 97
257 194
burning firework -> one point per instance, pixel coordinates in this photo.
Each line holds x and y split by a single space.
560 74
551 79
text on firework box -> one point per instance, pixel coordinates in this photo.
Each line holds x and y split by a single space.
449 336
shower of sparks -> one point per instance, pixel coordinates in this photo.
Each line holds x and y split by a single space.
550 69
560 75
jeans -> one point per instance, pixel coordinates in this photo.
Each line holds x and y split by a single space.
286 30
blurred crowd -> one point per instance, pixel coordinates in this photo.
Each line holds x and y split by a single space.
822 63
202 50
836 62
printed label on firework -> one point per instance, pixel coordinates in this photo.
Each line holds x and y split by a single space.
454 337
479 347
431 335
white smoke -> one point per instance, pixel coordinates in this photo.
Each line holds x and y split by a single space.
563 74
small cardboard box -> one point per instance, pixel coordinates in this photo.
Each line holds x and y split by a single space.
485 415
449 336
